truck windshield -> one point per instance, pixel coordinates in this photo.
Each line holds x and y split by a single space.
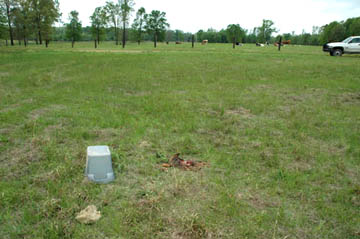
347 40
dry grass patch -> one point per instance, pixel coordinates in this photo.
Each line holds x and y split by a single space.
17 159
16 106
245 113
349 98
109 51
137 93
41 112
4 74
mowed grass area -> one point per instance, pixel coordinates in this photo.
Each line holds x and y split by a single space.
279 130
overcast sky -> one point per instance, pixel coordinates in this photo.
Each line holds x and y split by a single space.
193 15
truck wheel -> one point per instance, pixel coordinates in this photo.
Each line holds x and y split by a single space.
337 52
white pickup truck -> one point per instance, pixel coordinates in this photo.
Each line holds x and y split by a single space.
350 45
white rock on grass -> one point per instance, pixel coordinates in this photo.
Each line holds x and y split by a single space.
89 215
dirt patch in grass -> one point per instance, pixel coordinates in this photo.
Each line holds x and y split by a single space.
260 87
4 74
246 113
108 134
350 97
110 51
326 147
16 105
299 165
51 129
37 113
137 93
144 144
16 160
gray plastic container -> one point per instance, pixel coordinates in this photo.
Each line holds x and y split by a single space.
99 165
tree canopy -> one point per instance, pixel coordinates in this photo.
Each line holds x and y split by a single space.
3 23
44 14
156 24
73 28
126 7
98 23
265 31
113 11
235 33
139 24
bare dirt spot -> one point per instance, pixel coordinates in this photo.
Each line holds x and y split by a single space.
261 87
246 113
299 165
17 159
137 93
51 130
107 134
326 147
295 98
259 202
144 144
4 74
350 97
110 51
16 106
35 114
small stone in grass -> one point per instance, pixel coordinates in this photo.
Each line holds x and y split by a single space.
89 215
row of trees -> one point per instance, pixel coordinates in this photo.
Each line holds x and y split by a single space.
34 19
235 33
335 31
116 15
154 26
24 19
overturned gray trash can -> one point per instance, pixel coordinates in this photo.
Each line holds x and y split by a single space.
98 164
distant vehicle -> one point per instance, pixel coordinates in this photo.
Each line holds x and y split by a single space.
350 45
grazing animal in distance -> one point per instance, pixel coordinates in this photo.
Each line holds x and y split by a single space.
287 42
204 42
178 42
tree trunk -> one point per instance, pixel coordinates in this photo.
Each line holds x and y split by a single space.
116 36
124 35
95 44
72 43
9 23
19 42
155 39
280 43
40 39
234 39
98 36
192 40
25 43
46 43
139 40
36 41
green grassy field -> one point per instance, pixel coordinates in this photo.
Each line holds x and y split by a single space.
279 130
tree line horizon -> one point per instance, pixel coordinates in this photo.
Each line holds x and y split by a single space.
33 20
